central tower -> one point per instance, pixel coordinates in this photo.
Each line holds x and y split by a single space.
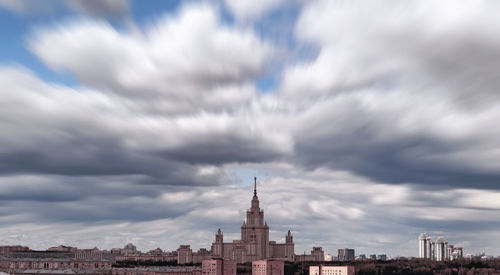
255 231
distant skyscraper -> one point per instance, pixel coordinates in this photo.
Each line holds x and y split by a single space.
382 257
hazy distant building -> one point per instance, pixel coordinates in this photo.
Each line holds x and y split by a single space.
382 257
62 248
7 249
362 256
328 257
331 270
218 267
456 253
317 255
346 254
373 257
268 267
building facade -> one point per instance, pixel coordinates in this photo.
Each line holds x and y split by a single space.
159 270
331 270
268 267
441 249
13 265
7 249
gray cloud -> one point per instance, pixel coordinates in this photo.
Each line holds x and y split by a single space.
99 7
415 106
88 7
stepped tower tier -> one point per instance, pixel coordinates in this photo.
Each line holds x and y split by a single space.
255 231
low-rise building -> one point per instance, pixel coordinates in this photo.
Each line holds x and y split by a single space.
19 265
5 250
331 270
159 270
317 255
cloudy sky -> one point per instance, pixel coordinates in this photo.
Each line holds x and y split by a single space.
366 122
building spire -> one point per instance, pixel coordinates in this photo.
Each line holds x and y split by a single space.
255 186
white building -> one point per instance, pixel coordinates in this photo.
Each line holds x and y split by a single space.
441 249
425 246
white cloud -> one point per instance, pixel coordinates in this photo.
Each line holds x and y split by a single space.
181 63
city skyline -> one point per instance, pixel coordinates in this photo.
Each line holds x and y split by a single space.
145 122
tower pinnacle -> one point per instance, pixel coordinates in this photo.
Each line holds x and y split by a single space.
255 186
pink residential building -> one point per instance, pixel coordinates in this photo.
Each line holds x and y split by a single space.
218 267
159 270
268 267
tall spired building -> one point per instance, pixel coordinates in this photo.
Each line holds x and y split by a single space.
254 243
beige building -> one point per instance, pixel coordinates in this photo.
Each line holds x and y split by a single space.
268 267
331 270
218 267
13 265
317 255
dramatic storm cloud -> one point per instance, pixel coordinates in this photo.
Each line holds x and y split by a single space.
367 122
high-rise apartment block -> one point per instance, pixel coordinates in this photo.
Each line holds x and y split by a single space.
438 250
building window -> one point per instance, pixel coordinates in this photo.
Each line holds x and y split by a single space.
75 265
